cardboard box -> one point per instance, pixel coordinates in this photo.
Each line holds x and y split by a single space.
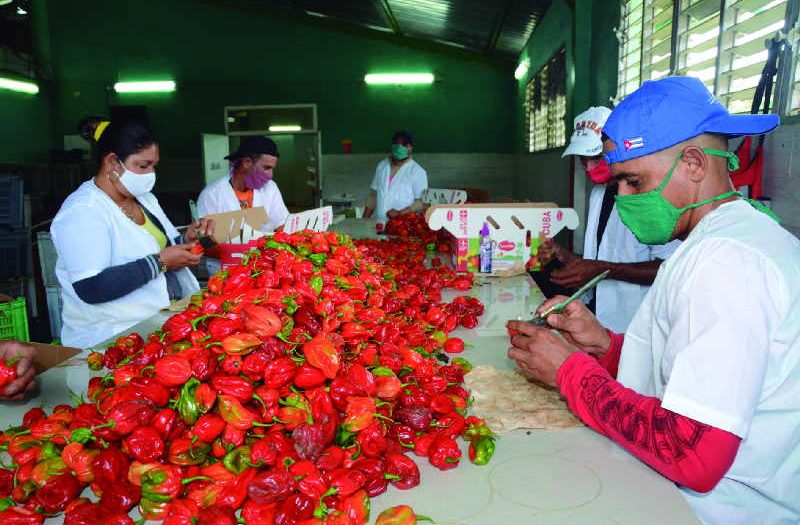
48 356
516 231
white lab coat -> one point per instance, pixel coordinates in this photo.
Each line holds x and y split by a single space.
407 186
91 234
219 197
617 301
717 339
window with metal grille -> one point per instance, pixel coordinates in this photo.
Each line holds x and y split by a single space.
645 39
723 47
546 106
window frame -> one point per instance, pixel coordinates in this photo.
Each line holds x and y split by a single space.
554 106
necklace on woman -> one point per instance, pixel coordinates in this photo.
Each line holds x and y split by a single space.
130 213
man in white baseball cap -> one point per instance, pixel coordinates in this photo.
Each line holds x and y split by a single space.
608 243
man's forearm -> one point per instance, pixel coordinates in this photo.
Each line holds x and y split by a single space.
638 273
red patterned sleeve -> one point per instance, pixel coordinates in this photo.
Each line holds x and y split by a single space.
683 450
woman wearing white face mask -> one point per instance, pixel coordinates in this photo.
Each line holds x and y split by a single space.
120 259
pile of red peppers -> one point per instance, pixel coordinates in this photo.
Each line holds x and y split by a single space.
413 226
302 383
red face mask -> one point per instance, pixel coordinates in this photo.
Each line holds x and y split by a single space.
600 173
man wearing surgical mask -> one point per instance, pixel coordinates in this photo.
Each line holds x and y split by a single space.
608 244
248 184
704 385
398 182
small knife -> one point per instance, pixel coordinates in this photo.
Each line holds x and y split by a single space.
541 319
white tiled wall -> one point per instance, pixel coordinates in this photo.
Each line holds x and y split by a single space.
782 175
352 174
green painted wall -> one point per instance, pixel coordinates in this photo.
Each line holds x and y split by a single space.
25 130
239 56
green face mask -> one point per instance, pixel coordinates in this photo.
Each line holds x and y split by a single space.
399 152
651 217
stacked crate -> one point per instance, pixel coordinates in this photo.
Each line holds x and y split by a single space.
15 259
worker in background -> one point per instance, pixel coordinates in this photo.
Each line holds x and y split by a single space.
120 259
608 243
398 182
704 385
248 184
21 355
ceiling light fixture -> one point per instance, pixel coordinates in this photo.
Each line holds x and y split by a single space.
399 78
18 85
21 11
154 86
522 69
286 127
5 2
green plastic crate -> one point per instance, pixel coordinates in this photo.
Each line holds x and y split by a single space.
14 320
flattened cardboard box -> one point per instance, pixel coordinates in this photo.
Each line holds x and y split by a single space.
48 356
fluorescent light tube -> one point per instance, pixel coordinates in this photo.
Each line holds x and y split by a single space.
288 127
18 85
399 78
522 69
156 86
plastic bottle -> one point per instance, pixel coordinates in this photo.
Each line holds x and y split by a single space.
485 246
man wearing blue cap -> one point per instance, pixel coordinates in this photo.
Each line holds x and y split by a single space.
704 386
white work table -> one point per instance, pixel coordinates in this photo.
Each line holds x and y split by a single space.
560 477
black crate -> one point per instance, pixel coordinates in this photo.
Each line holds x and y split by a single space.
15 254
11 215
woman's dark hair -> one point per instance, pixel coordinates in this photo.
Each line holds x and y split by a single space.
87 125
124 139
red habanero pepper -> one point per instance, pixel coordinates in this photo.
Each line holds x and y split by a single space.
221 327
372 441
182 512
164 421
32 416
56 494
260 321
454 345
321 353
208 427
360 413
330 459
129 415
400 515
121 497
444 453
295 508
236 386
184 451
110 467
234 413
173 370
20 516
238 281
308 377
254 364
262 453
309 440
257 513
241 343
347 482
356 507
217 515
144 444
422 444
79 460
362 379
271 486
403 471
279 372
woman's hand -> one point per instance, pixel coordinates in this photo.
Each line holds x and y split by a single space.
26 376
179 256
203 227
578 325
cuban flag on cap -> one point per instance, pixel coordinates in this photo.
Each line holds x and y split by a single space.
633 143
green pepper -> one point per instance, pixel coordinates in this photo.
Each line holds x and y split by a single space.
481 450
237 460
319 259
187 405
316 284
465 364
